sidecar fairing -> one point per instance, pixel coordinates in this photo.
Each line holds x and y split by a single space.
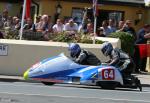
60 69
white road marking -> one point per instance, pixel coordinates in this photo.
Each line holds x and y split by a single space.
127 100
78 97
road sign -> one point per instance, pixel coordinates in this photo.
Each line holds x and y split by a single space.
3 50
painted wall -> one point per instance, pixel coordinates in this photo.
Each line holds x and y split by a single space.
23 54
130 13
13 9
147 16
48 7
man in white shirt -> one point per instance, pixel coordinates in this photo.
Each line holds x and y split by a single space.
58 27
71 27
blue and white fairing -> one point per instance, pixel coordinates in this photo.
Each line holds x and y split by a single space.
60 69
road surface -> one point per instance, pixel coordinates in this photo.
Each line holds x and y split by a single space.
24 92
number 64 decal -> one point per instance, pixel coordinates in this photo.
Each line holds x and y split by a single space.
108 74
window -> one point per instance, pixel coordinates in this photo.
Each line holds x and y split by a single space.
116 16
110 14
77 15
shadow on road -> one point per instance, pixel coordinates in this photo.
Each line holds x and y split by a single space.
8 80
96 87
145 85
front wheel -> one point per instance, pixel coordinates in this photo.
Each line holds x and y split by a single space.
48 83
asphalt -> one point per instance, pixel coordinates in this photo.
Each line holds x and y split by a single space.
144 78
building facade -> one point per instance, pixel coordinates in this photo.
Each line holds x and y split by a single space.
117 9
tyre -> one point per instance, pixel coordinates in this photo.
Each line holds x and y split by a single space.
48 83
108 85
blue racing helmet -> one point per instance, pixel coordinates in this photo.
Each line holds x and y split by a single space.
74 49
106 48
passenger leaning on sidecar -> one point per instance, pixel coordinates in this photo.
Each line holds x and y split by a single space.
118 58
82 56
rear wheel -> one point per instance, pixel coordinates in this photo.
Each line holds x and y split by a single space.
48 83
108 85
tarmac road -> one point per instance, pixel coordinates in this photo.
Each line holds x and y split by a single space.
25 92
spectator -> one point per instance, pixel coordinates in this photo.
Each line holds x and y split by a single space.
84 27
9 22
39 25
29 24
1 22
43 25
14 19
90 28
66 20
14 22
111 25
71 27
143 34
107 30
5 15
1 35
18 24
100 33
50 24
128 28
120 26
58 27
46 25
38 19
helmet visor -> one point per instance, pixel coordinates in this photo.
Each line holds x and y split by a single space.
103 50
73 53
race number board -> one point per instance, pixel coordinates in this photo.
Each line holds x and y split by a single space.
108 74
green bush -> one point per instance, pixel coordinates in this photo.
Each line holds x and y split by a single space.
56 37
127 41
11 34
76 38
